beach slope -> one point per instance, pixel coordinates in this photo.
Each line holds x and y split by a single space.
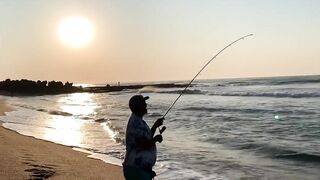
25 157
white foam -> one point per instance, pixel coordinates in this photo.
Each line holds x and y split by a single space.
177 171
105 158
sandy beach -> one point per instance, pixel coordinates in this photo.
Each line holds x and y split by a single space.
25 157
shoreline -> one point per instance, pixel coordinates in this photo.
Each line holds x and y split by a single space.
25 157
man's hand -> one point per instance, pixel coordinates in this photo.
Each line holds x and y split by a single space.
158 123
162 129
158 138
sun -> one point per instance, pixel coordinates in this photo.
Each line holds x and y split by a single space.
76 31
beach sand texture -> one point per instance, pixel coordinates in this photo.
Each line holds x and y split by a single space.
25 157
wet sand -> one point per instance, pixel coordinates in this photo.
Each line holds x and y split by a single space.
25 157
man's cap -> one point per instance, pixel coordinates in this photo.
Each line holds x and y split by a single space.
137 100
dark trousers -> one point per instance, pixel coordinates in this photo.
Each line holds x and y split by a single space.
133 173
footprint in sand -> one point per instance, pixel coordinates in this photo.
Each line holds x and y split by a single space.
37 170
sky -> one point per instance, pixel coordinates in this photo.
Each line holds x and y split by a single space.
167 40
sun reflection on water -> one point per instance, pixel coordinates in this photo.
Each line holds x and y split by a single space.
64 130
78 104
68 130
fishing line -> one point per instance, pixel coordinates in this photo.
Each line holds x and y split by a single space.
184 90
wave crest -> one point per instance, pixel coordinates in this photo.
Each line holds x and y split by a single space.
270 94
194 91
60 113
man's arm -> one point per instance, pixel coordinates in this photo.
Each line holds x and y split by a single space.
148 141
145 143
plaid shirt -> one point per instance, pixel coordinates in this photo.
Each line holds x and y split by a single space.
136 156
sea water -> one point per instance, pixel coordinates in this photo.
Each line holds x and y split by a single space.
259 128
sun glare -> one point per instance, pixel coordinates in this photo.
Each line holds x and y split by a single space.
76 31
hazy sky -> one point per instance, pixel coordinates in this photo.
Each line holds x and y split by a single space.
149 40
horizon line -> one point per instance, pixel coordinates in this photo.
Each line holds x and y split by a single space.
170 81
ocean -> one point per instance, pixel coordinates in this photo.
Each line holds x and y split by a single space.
257 128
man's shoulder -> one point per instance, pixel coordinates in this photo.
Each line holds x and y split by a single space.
137 127
136 121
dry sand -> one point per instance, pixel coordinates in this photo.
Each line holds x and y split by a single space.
23 157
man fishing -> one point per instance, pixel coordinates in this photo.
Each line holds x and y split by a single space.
141 151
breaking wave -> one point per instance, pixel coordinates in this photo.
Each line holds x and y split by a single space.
194 91
209 109
52 112
300 157
276 152
248 94
282 153
302 81
270 94
61 113
248 111
273 81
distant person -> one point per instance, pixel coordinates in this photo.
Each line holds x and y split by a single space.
141 151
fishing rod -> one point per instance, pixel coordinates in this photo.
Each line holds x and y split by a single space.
184 90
